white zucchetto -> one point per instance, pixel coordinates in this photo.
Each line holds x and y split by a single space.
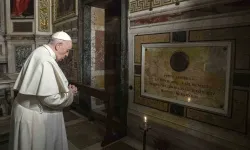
61 36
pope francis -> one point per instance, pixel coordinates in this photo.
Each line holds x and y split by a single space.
37 121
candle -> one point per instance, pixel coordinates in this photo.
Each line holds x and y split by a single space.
145 119
145 123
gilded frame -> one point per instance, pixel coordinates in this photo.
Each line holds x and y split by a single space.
70 14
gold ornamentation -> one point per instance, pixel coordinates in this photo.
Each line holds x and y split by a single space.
44 15
140 5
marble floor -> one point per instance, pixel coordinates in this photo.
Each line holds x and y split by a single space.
85 135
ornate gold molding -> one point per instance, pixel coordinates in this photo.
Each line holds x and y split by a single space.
44 15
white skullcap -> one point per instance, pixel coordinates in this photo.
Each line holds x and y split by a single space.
61 36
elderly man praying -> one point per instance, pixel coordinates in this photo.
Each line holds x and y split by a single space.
37 121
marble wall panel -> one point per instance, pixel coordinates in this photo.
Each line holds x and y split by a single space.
242 59
149 102
2 20
98 17
21 54
3 56
236 119
153 38
236 122
99 50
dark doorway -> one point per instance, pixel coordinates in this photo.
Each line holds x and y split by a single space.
103 24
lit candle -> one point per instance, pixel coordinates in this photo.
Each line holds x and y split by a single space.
145 123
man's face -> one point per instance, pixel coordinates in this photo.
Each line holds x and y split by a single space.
62 50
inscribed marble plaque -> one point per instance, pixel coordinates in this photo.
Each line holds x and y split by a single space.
191 74
151 38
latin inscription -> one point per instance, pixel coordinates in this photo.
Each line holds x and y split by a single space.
202 83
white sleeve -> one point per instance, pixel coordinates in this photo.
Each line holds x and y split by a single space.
57 101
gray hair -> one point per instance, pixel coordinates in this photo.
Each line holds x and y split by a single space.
54 41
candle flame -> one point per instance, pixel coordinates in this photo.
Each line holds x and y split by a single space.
145 119
189 99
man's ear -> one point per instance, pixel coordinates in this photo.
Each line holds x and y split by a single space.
57 47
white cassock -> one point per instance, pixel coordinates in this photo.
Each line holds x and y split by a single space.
37 121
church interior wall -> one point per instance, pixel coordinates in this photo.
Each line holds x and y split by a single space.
97 52
20 34
3 61
70 26
186 23
25 32
65 18
18 52
71 23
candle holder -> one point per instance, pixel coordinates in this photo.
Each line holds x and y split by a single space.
145 128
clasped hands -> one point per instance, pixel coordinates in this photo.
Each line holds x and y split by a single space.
73 89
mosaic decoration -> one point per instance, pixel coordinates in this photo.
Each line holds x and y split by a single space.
44 15
63 10
21 54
